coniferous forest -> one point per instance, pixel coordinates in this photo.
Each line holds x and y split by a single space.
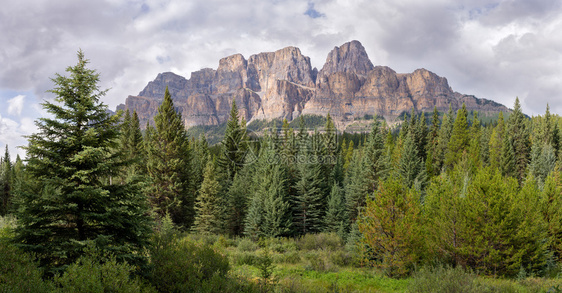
438 203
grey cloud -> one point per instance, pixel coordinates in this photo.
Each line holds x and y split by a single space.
130 42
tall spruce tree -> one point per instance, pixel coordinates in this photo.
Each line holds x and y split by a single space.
432 145
169 165
444 137
233 144
269 210
496 142
131 141
459 142
335 219
6 182
518 131
208 204
71 200
309 200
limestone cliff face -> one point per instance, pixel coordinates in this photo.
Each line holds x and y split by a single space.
282 84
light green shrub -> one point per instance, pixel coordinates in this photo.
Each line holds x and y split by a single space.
328 241
95 273
445 279
183 265
246 244
19 272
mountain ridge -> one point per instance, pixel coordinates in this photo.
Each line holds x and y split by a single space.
283 84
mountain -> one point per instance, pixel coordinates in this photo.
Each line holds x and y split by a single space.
283 84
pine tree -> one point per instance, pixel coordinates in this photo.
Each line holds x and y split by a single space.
356 185
444 137
551 207
391 227
543 161
507 160
335 219
200 157
517 130
269 211
375 160
71 200
6 182
208 204
131 141
496 142
309 200
410 167
233 145
169 165
432 145
237 196
459 142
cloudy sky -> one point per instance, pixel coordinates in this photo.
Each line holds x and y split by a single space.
493 49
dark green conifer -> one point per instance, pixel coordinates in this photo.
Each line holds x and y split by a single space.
335 219
309 201
169 165
459 142
518 131
6 182
208 205
71 200
234 146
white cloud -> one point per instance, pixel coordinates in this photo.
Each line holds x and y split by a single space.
490 49
12 135
15 105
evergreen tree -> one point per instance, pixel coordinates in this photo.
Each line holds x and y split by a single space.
474 143
458 144
543 161
237 197
233 144
433 145
208 204
200 157
444 138
132 145
6 182
517 130
551 207
496 142
335 219
375 160
507 160
356 185
269 210
309 200
410 166
391 225
70 200
169 165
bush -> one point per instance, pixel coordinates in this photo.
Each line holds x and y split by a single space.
445 279
282 245
19 272
341 258
328 241
183 265
246 244
7 224
292 257
97 273
245 258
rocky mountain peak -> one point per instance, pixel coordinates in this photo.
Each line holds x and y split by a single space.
157 87
283 84
350 57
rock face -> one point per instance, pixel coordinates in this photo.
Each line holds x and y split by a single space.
283 84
